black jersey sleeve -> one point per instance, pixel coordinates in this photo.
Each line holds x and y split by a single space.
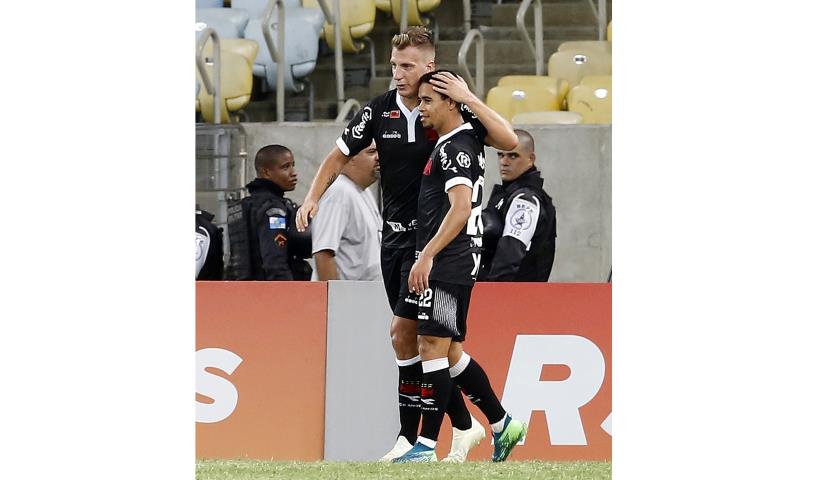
455 162
359 132
470 117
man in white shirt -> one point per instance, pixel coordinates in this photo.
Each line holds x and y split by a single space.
346 234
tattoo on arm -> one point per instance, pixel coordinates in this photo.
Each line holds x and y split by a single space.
330 180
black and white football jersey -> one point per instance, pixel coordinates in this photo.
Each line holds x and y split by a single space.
403 147
458 159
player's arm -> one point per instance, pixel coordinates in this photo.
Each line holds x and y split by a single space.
326 265
328 171
500 132
356 137
454 221
515 242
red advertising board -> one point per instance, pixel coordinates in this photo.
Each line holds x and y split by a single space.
260 369
559 337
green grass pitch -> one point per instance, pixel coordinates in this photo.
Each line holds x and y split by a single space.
514 470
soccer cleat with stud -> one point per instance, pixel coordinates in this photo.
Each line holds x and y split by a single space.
418 453
512 433
402 446
464 440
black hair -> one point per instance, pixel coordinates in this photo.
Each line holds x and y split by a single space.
429 76
269 155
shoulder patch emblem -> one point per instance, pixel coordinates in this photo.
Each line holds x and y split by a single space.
463 160
281 240
276 223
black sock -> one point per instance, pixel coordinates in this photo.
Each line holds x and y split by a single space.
409 398
474 383
435 390
457 411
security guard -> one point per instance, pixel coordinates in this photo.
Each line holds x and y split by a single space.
519 237
264 243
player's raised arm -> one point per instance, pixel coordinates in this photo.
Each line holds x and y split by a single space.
451 226
500 132
328 172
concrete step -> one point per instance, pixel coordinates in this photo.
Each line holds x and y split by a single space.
558 13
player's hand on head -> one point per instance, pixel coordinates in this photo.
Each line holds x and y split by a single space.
453 86
305 213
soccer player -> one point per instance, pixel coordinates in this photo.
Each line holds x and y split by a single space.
403 147
449 241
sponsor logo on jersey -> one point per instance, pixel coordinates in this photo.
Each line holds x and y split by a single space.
366 116
399 227
428 168
463 160
481 159
393 114
466 108
391 135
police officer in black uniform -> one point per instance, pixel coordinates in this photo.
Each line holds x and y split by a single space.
264 244
519 240
404 145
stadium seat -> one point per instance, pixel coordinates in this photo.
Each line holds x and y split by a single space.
227 22
415 8
593 99
573 65
302 26
511 100
358 20
236 58
586 44
554 86
208 4
547 118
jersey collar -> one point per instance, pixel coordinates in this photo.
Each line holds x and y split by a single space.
465 126
410 115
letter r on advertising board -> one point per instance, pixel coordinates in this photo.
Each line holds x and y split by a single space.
561 399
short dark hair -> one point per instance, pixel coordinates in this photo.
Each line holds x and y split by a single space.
429 76
269 155
525 138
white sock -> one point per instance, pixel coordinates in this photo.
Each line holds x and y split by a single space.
461 365
497 427
408 362
429 443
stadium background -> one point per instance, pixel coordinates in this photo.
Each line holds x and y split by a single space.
575 160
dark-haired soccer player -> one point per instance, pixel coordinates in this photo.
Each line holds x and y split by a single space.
449 242
403 147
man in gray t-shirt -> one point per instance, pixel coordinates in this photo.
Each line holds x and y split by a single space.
346 235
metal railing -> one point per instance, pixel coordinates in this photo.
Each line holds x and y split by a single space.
213 90
601 17
277 50
466 15
404 15
473 36
346 108
335 18
538 50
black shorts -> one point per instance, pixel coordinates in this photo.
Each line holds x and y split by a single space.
395 266
442 310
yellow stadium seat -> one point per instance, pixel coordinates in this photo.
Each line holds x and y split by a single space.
414 9
236 59
593 99
554 86
511 100
358 20
610 31
549 118
573 65
586 44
